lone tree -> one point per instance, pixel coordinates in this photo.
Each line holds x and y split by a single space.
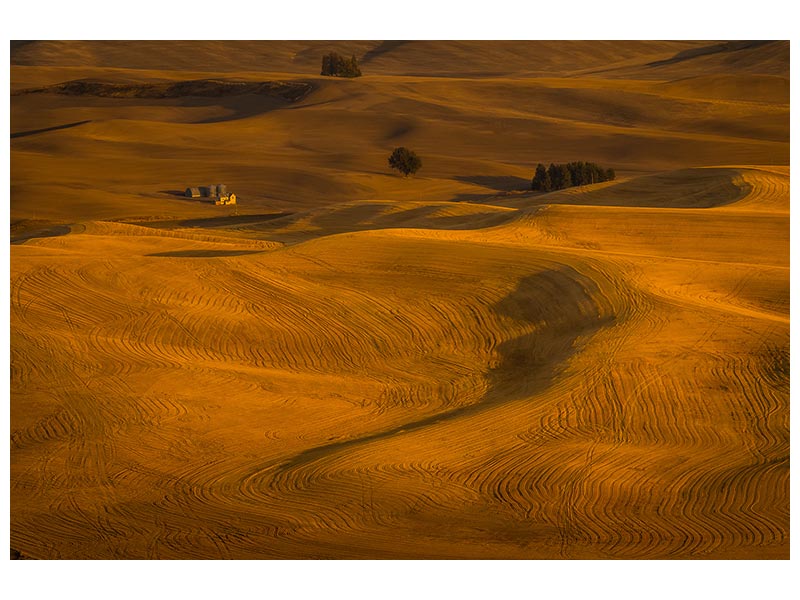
405 161
336 65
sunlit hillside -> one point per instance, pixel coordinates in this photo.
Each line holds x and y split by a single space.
349 363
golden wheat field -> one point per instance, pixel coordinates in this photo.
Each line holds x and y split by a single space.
353 364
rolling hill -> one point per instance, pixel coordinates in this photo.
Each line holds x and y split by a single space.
353 364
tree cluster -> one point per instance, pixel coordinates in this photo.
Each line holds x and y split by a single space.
336 65
404 160
558 177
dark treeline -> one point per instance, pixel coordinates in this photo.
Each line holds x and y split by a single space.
336 65
558 177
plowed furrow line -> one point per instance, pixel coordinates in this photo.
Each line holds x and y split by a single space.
768 190
57 426
755 405
53 295
138 345
342 345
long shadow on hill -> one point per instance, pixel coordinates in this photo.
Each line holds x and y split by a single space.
20 134
381 49
205 253
235 99
181 195
374 216
237 107
292 228
493 198
222 222
502 186
686 188
706 50
28 229
503 183
230 108
560 306
233 220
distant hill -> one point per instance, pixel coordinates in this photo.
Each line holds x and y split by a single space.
290 92
652 59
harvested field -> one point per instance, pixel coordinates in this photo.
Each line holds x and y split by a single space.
358 365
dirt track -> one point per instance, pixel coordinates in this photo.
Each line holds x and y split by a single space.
441 367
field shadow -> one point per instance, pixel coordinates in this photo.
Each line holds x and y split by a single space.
401 130
205 253
181 195
220 222
21 134
381 49
23 231
561 304
722 47
237 107
474 198
685 188
376 217
232 99
501 183
232 220
178 193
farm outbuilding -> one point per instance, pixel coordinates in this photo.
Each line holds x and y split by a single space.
217 191
226 199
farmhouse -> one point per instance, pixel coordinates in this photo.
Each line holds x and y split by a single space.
218 191
226 199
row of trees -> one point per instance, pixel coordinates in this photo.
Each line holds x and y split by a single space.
336 65
558 177
555 177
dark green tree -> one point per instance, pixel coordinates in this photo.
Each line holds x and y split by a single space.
327 64
541 180
554 175
352 68
564 177
576 172
591 174
405 161
336 65
570 174
560 176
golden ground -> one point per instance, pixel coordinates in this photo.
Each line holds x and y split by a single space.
350 364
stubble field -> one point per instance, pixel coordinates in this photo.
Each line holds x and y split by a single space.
352 364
